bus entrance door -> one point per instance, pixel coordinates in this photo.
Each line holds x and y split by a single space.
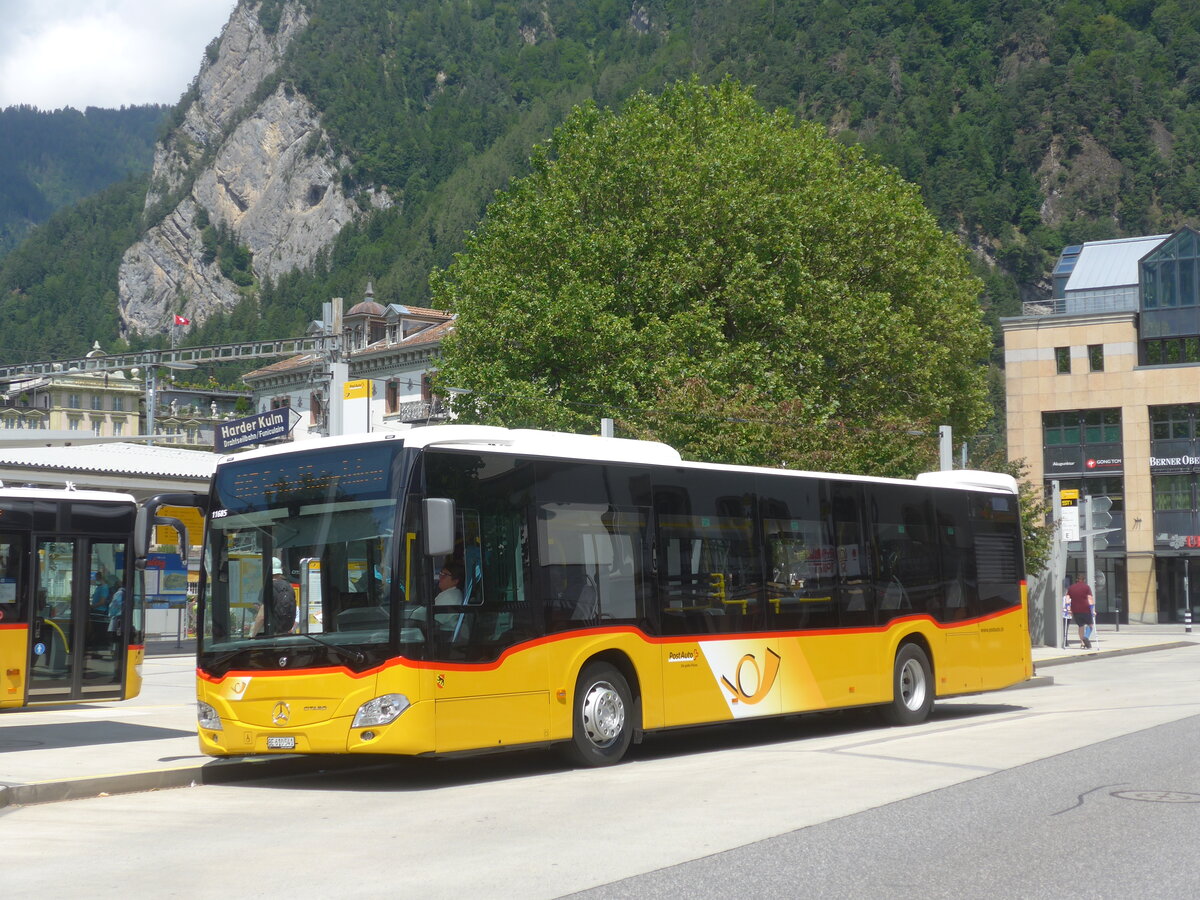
77 646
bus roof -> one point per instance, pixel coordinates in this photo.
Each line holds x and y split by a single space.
41 493
564 445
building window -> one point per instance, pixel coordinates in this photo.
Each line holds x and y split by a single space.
281 402
1171 351
1172 492
427 387
392 397
1095 357
74 402
118 404
97 401
1060 428
1062 360
1102 426
1083 441
73 423
1172 422
97 426
118 428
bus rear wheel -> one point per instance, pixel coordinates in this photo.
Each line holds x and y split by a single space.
603 703
912 688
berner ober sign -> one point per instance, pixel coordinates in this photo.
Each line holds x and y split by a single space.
256 429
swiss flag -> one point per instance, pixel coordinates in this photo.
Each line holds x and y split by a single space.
180 320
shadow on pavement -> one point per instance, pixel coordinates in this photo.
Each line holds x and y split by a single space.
81 734
407 774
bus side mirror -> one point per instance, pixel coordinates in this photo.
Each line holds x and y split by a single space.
141 533
148 518
437 525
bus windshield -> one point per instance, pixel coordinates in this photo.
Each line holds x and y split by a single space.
299 555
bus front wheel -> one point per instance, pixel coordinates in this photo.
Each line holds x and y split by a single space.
912 688
603 704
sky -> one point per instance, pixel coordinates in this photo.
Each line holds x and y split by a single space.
107 53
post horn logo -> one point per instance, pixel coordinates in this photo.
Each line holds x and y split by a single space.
763 681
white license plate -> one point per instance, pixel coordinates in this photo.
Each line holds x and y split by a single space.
281 743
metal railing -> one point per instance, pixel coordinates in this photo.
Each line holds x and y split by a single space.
212 353
418 411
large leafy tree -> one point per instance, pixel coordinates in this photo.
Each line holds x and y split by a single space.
716 276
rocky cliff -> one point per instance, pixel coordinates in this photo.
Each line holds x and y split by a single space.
249 154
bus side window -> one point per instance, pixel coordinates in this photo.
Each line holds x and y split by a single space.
13 552
710 575
998 554
905 553
592 564
800 553
856 601
954 537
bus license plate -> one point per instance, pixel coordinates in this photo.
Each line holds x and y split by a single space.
281 743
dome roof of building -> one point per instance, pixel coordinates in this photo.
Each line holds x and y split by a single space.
367 306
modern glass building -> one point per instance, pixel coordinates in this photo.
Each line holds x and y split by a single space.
1103 389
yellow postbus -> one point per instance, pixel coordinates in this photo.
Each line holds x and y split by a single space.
462 588
72 604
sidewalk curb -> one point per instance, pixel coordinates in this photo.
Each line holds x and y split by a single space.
1098 654
213 772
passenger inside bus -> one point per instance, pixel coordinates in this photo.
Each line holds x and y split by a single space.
283 606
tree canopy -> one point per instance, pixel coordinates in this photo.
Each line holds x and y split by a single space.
721 278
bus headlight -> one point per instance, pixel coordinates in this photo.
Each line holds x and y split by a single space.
380 711
207 717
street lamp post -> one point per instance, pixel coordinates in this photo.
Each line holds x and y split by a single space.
152 388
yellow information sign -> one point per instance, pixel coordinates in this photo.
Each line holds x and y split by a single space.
357 390
1069 496
189 516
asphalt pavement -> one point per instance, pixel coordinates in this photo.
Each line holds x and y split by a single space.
71 751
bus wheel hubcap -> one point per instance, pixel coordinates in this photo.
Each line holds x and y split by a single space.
912 684
603 714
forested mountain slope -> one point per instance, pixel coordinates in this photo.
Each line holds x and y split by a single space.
1027 125
49 160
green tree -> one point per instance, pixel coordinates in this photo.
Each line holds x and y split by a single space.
716 276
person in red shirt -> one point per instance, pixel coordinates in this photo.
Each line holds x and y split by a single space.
1083 607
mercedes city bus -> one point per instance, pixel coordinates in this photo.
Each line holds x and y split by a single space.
465 588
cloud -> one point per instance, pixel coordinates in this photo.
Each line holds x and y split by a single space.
106 53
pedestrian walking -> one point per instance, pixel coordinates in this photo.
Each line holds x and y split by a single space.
1083 608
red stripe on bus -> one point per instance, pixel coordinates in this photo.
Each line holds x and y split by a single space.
444 666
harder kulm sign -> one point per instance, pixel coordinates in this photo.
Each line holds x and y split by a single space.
256 429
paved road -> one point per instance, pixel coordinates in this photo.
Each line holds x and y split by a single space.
1112 819
986 798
